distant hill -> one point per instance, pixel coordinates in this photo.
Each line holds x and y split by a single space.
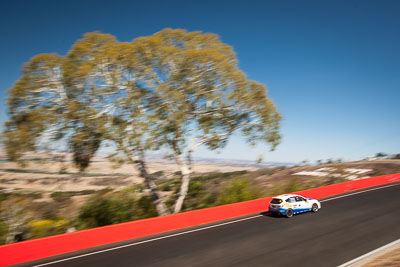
323 173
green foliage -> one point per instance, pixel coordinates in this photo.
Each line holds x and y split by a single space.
42 228
217 175
48 210
101 211
25 171
22 195
196 187
48 172
236 191
21 132
63 170
134 188
106 209
169 184
61 196
144 208
3 232
293 186
84 144
205 189
313 184
158 174
3 196
199 196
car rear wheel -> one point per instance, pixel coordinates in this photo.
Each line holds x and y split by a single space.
289 213
314 207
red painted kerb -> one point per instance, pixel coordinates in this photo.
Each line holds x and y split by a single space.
54 245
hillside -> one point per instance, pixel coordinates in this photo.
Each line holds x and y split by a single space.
322 173
53 198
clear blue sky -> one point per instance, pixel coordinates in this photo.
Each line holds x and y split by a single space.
332 67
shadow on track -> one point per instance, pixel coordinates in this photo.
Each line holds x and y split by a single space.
269 214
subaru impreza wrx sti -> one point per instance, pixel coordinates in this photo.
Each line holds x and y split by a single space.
291 204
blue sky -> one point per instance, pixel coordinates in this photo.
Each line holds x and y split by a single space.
331 67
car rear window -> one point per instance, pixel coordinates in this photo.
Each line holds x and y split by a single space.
276 201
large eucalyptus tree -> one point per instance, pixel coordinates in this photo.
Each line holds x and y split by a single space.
174 89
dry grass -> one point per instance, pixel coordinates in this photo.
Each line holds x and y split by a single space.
42 174
389 259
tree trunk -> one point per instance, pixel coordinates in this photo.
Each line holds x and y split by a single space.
185 174
10 237
160 206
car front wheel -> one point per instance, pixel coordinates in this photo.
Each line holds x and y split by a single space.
289 213
314 207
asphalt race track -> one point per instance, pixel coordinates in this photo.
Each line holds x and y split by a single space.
342 230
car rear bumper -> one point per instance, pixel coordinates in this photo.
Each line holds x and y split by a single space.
280 211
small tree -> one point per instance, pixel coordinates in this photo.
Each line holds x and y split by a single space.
16 215
380 155
396 156
304 162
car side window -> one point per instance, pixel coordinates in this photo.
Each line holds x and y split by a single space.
291 200
298 199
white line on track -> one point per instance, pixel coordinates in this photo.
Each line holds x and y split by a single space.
147 241
359 192
194 230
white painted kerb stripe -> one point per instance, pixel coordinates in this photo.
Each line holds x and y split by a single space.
365 256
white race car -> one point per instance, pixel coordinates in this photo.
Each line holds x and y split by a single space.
291 204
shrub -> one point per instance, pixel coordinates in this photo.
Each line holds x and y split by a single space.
123 206
236 191
158 174
215 175
169 185
199 197
100 211
42 228
293 186
61 196
144 208
3 232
